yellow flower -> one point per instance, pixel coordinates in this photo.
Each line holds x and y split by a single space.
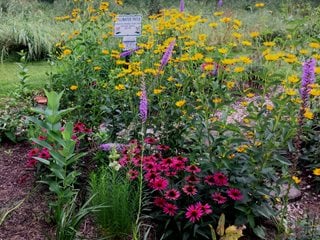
119 2
230 84
250 95
180 103
254 34
105 52
259 5
246 43
178 85
314 45
223 50
120 87
317 70
170 79
269 44
293 79
229 61
237 35
237 22
202 37
217 100
213 24
67 52
73 87
139 93
245 59
296 179
225 19
316 171
316 56
272 57
304 51
242 148
238 69
97 68
308 114
157 91
291 92
315 92
218 14
269 107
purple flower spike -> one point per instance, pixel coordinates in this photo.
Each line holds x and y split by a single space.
109 146
167 55
128 52
143 107
181 5
308 77
220 3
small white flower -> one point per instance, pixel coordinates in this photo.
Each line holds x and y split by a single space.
115 165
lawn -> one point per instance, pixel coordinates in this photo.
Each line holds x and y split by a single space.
9 72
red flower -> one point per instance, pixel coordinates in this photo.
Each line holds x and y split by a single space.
150 140
159 201
163 147
220 179
193 169
42 138
79 127
44 153
172 194
33 152
190 190
192 179
206 208
170 209
235 194
217 197
209 180
31 163
160 183
194 213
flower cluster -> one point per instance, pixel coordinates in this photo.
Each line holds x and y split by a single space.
179 187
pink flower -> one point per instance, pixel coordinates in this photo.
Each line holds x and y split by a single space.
193 169
194 213
220 179
132 174
160 183
209 180
33 152
172 194
217 197
170 209
192 179
159 201
235 194
44 153
150 140
163 147
42 138
79 127
31 163
206 208
190 190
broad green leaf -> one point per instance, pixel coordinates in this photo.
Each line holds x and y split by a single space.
221 223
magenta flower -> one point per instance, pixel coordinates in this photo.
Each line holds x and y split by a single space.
235 194
31 163
193 169
33 152
181 5
159 201
170 209
209 180
206 208
192 179
189 190
194 213
160 183
217 197
143 107
132 174
150 140
44 153
220 179
129 52
167 55
172 194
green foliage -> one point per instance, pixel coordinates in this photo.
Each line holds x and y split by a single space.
113 189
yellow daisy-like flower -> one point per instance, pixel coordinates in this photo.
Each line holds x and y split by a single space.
250 95
157 91
73 87
97 68
254 34
217 100
304 51
120 87
315 92
242 148
308 114
238 69
230 84
229 61
105 52
180 103
223 50
272 57
225 20
296 179
314 45
293 79
237 35
269 44
218 14
291 92
316 171
269 107
139 93
259 5
246 43
317 70
67 52
213 24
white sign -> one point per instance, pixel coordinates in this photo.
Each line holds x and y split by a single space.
127 25
129 42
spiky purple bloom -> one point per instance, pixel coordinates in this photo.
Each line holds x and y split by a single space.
220 3
181 5
109 146
167 55
143 107
308 77
128 52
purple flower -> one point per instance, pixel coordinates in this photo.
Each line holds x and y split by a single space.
167 55
181 5
128 52
220 3
308 77
109 146
143 107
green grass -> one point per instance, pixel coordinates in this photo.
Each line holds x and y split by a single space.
9 79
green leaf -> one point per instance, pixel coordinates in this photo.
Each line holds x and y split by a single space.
260 232
42 143
213 233
44 161
58 171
